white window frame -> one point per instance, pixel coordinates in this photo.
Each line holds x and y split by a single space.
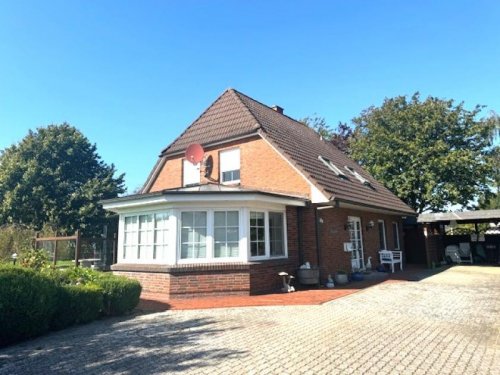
239 233
329 164
360 178
395 235
210 239
168 244
179 239
231 153
267 235
384 233
190 173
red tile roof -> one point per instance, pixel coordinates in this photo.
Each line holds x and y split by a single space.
235 115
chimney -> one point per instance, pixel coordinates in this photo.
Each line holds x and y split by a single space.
278 109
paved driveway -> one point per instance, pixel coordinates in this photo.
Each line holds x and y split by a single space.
446 324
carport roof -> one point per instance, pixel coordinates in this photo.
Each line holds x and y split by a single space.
479 216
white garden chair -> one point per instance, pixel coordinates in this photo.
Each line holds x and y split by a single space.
392 258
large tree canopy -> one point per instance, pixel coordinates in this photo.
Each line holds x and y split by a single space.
339 137
55 177
432 153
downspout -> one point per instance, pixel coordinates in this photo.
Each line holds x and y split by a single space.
300 235
318 245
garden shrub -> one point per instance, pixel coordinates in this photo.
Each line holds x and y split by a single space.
121 294
76 276
32 302
35 259
77 304
28 299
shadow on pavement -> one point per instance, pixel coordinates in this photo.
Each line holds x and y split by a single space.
139 345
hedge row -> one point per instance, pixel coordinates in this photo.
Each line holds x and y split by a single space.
31 302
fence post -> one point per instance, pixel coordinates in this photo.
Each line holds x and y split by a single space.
77 247
55 252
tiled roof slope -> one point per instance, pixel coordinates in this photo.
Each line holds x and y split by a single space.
226 118
235 114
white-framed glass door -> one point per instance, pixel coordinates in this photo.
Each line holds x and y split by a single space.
356 238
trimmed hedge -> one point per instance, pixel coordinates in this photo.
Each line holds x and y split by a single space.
32 302
77 304
121 294
27 303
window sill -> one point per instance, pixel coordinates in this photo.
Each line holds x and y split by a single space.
180 268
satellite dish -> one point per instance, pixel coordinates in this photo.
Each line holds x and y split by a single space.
194 153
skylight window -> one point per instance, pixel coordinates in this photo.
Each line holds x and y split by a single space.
360 178
332 166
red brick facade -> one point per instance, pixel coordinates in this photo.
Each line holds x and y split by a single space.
277 176
185 281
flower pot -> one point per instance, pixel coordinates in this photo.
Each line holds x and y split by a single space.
308 276
341 278
357 276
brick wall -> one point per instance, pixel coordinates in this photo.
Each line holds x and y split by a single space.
151 282
209 283
185 281
261 167
333 234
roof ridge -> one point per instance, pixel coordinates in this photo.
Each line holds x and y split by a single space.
164 151
270 108
236 95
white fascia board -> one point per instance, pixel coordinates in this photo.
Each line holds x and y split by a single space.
154 174
205 199
316 195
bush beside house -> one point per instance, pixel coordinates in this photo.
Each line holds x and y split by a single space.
33 302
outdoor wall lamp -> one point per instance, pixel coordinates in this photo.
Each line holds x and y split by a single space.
348 225
370 225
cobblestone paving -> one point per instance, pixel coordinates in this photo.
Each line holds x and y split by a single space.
446 324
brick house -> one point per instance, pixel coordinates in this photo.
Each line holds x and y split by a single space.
268 196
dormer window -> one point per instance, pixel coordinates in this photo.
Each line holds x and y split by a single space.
360 178
230 166
332 166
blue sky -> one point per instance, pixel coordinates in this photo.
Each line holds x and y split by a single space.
131 75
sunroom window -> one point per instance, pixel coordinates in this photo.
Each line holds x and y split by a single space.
145 236
193 234
130 238
161 236
230 166
145 247
226 234
257 234
267 234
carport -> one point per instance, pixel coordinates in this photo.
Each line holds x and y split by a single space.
484 242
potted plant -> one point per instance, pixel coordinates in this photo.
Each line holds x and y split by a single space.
341 277
357 276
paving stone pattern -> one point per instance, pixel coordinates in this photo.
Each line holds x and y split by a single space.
445 324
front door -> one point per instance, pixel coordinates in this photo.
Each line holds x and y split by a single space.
357 257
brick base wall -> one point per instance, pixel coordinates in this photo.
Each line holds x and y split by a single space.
150 282
204 280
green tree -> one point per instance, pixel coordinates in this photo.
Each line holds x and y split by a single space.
55 177
432 153
340 136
